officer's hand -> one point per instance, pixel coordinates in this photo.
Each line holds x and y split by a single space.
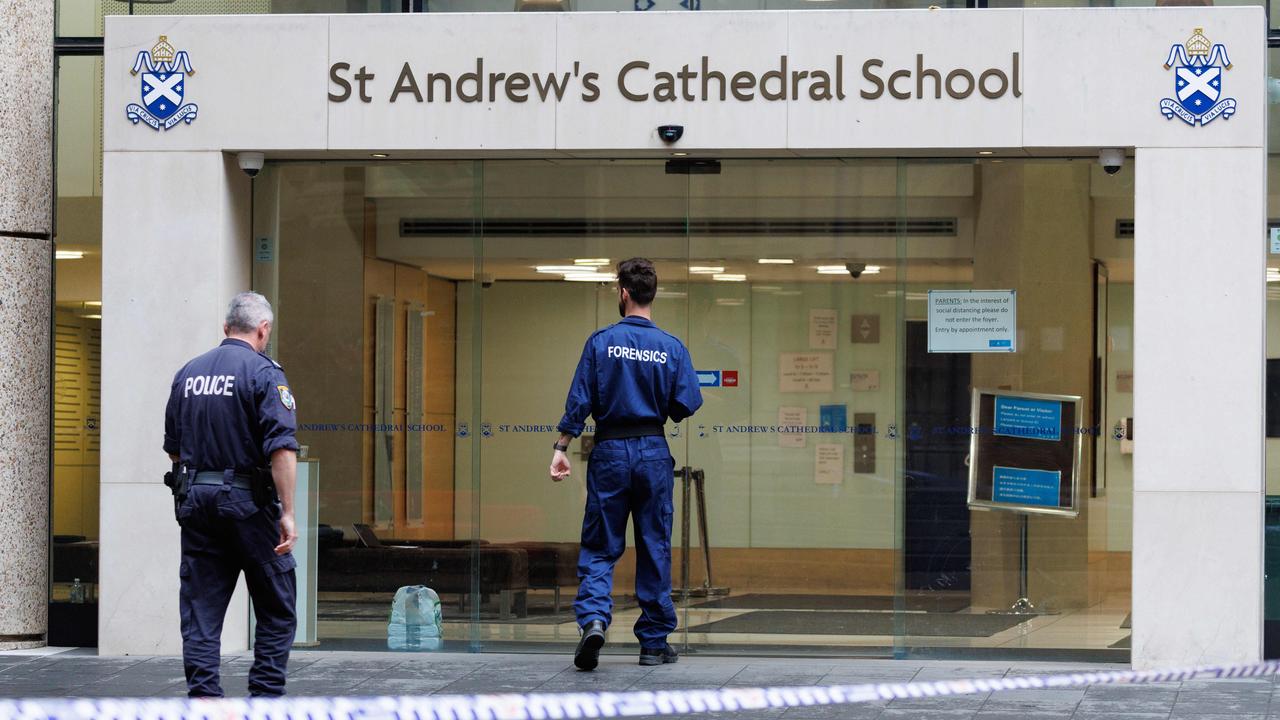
559 466
288 535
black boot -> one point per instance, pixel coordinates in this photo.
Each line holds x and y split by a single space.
659 656
587 656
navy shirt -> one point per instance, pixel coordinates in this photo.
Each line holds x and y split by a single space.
631 372
229 409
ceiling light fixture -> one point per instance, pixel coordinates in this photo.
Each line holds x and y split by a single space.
379 155
729 277
590 277
591 262
68 254
986 152
832 270
776 261
706 269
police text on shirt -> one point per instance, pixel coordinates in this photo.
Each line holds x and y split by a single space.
209 385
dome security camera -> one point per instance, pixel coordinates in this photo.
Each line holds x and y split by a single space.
670 133
251 162
1111 160
855 269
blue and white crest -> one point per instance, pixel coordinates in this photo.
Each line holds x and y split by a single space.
1197 81
163 87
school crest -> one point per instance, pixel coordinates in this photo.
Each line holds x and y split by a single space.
163 86
1199 67
286 398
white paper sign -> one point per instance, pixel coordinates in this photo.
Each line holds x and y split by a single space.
806 372
828 464
822 329
973 321
791 417
864 380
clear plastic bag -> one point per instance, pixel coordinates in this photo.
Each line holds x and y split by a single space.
415 619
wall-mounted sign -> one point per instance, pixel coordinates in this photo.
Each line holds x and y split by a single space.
791 426
828 463
864 329
806 372
1024 452
864 380
717 378
970 321
822 329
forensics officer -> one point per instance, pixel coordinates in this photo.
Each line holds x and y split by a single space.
230 421
631 378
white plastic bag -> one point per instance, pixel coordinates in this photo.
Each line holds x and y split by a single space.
415 619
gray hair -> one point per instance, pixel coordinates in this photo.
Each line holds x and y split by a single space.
247 311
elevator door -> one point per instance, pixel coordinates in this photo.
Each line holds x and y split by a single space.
936 524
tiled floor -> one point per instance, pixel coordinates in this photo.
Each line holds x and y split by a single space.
53 673
1094 628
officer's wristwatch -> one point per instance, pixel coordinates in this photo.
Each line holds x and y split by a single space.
560 447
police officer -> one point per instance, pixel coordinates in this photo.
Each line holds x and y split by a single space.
631 378
231 415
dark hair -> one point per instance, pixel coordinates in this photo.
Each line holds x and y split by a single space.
639 279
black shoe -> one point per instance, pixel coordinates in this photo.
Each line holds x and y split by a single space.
587 656
659 656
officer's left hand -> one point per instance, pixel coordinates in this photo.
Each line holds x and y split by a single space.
288 534
559 466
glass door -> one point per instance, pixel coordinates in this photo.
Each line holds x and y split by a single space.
796 320
554 232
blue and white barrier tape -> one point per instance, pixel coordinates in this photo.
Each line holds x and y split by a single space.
581 706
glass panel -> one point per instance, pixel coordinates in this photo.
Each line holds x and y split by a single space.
83 18
1048 230
370 268
77 352
553 233
799 461
1271 574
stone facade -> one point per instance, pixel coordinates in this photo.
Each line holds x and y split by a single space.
26 273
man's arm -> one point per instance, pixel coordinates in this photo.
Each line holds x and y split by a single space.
577 406
686 396
284 472
279 424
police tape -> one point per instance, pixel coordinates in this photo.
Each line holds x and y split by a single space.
583 706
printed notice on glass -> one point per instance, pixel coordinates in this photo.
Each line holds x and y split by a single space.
791 422
806 372
828 464
972 321
822 329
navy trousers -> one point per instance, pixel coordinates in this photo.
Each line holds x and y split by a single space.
629 478
225 533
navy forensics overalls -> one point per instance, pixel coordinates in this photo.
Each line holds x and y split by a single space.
631 378
228 410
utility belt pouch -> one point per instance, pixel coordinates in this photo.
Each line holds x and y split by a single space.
178 481
264 487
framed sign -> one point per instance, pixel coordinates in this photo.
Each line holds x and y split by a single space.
1024 452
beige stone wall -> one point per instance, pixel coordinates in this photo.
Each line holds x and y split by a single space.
26 99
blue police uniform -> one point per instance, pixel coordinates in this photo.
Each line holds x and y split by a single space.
229 410
631 378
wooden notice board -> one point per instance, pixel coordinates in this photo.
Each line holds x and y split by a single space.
1024 452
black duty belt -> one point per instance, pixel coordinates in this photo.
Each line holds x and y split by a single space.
632 430
213 477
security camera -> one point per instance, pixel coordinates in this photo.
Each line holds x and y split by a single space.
670 133
855 269
486 281
251 162
1111 160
